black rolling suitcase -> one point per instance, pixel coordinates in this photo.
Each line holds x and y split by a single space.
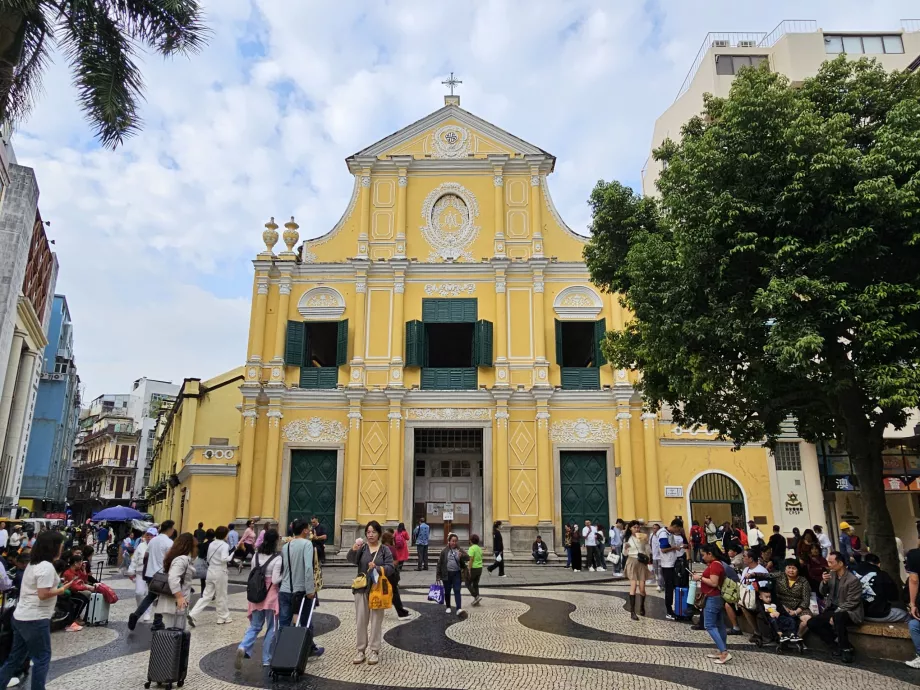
293 647
169 656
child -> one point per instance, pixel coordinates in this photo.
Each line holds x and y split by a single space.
781 623
67 600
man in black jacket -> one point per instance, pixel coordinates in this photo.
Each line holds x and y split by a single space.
879 592
777 543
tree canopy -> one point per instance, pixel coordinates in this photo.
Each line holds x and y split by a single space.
777 274
99 38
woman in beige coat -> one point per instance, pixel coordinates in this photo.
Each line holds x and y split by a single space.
179 568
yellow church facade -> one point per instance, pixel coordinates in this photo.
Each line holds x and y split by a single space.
436 354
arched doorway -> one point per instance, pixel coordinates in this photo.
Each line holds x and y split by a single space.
718 496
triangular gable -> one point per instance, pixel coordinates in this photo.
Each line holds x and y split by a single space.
407 135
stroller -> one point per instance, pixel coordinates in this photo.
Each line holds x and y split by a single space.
782 631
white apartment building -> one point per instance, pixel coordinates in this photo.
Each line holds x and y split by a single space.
795 48
147 395
809 485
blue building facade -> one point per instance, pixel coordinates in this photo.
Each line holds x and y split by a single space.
57 414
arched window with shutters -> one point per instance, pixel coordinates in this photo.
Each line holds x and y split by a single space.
719 496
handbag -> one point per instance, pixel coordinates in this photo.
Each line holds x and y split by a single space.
159 584
613 558
436 593
749 598
201 568
381 594
643 558
359 584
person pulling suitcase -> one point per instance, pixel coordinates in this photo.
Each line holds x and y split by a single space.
294 647
169 652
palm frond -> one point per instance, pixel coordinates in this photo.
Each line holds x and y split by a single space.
169 26
108 81
25 36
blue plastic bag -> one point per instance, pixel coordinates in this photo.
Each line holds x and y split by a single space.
436 594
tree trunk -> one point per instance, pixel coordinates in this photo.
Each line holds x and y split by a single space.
866 458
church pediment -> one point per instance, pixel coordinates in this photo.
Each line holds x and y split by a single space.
449 133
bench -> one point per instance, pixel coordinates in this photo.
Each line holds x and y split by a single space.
879 640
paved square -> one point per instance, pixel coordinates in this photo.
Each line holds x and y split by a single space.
566 636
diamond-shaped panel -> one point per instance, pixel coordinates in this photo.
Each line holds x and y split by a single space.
521 443
375 442
523 493
373 492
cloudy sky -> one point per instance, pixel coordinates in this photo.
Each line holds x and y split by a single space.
155 240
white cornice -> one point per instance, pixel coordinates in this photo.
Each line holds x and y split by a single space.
210 470
564 397
471 398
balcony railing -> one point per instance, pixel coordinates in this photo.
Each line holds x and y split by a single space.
789 26
106 462
725 39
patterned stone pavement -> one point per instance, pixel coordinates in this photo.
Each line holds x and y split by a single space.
565 636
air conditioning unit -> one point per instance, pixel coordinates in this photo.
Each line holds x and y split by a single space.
721 43
747 44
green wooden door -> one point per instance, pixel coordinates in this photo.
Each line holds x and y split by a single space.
312 491
584 487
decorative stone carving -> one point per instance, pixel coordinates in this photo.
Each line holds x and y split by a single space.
499 286
354 419
498 181
262 287
394 373
284 287
314 430
699 431
291 235
449 413
395 418
402 181
399 287
578 303
542 419
450 211
582 431
274 417
321 304
361 285
451 141
251 372
250 417
534 180
270 235
306 256
538 284
365 181
449 289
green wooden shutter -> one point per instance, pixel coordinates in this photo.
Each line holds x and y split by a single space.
460 310
415 343
319 377
600 332
581 378
295 343
341 344
559 342
482 344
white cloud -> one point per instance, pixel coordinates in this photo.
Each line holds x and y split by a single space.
154 239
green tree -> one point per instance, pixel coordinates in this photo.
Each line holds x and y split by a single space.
99 38
777 274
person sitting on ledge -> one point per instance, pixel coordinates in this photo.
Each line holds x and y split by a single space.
539 551
881 596
843 606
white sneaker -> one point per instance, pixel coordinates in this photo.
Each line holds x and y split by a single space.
576 571
659 589
447 610
503 576
14 682
601 570
461 613
913 663
591 568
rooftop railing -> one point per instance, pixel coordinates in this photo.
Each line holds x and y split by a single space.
723 39
789 26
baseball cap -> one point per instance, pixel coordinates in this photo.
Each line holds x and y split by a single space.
844 525
152 531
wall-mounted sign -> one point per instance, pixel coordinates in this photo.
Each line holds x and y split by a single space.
448 513
673 492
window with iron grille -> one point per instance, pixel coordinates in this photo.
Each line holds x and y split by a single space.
787 457
448 441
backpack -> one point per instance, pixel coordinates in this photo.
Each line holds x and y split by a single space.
399 540
696 535
256 589
731 591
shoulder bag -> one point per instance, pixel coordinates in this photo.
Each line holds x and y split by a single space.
359 584
381 595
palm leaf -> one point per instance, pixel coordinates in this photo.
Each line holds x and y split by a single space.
108 81
169 26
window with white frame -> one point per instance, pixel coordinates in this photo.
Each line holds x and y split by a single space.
787 457
867 44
